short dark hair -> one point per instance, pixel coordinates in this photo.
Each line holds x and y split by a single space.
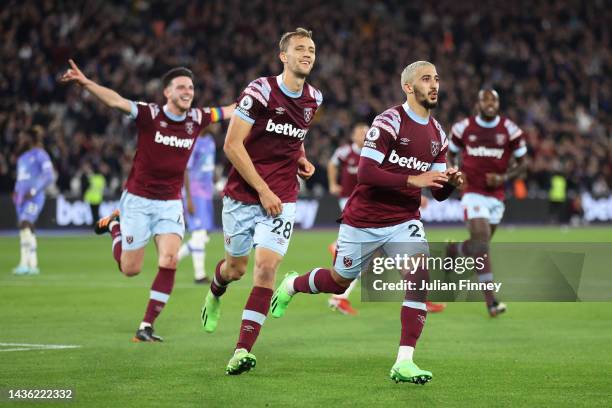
176 72
37 134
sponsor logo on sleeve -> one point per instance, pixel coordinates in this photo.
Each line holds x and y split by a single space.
373 134
246 102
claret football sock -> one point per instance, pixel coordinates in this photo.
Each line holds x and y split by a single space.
160 293
253 316
318 280
413 316
218 286
115 231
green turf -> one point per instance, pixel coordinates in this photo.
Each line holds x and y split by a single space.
539 354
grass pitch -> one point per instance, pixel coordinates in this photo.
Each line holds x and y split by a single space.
538 354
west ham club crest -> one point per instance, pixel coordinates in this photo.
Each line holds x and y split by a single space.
307 114
435 148
189 127
500 138
348 262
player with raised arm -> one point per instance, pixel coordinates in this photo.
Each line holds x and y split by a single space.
492 151
264 144
404 151
150 205
34 174
197 201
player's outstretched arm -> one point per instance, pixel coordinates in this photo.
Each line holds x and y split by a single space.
107 96
228 110
237 154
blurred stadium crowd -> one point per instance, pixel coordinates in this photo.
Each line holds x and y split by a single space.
551 62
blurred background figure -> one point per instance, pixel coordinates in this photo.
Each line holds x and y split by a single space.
93 184
34 175
198 205
342 179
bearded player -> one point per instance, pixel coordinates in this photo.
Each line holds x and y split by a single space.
492 151
404 151
264 144
343 167
151 205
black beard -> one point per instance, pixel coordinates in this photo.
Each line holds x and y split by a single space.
488 118
421 99
428 105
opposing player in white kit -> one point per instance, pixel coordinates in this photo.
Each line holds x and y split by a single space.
492 151
404 151
264 143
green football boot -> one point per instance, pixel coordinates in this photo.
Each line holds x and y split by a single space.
281 297
241 362
407 371
210 312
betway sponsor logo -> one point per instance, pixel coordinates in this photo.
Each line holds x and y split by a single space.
286 129
482 151
408 162
173 141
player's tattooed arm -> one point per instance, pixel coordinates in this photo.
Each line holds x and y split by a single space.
455 180
237 154
516 169
106 95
